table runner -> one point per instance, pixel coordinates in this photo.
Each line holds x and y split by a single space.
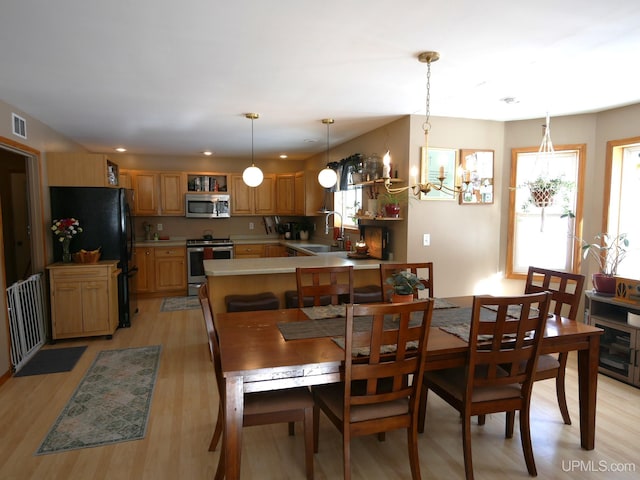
334 327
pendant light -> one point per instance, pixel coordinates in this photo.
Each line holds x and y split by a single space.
252 175
327 176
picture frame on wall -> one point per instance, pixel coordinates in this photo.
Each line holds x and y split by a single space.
435 162
476 166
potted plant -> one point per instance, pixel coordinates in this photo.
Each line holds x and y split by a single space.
543 190
608 251
404 286
391 204
305 227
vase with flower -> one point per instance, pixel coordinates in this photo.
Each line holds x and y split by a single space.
65 229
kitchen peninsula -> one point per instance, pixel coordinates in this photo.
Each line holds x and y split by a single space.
277 275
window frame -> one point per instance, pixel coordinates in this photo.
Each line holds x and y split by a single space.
576 258
614 155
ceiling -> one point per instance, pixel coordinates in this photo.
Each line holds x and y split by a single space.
176 78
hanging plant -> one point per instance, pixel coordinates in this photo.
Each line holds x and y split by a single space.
543 192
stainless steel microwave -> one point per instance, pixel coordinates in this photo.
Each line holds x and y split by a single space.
208 205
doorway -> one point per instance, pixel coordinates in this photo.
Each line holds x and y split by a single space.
16 222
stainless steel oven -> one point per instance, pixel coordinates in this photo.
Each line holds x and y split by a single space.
199 250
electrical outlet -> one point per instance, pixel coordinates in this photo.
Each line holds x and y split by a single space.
251 226
159 227
426 240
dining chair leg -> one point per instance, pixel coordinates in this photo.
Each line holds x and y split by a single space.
220 474
414 459
217 433
292 429
525 435
560 389
346 453
466 446
508 424
482 419
309 441
316 427
422 408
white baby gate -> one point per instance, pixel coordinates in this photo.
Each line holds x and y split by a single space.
26 319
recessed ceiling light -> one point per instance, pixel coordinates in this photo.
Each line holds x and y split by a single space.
284 155
310 140
510 100
207 153
121 149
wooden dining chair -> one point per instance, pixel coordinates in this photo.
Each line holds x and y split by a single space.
424 270
493 379
260 408
376 395
333 285
566 293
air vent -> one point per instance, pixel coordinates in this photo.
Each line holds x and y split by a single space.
19 126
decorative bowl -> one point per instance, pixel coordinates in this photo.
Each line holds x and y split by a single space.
85 256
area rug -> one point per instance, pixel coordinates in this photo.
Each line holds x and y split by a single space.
110 405
173 304
52 360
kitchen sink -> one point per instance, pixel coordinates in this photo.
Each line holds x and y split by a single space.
317 248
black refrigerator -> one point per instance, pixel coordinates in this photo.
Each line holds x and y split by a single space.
106 220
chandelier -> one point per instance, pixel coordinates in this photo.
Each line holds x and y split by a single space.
252 175
424 188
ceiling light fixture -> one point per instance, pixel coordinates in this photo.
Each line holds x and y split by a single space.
327 176
207 153
424 188
252 175
121 149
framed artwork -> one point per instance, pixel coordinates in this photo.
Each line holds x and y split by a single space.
476 168
440 162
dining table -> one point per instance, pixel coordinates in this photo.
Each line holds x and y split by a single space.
256 357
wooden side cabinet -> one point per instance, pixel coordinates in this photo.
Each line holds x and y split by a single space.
620 343
84 299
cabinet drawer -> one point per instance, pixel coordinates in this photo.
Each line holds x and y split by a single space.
79 273
170 252
256 250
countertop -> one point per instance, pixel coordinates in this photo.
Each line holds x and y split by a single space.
260 266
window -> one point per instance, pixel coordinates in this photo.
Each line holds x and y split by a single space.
545 209
622 179
347 203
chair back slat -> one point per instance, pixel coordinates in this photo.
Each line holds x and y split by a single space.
212 335
505 350
319 282
390 355
566 289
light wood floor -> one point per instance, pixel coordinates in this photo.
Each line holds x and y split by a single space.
185 401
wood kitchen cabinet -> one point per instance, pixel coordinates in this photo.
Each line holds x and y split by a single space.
158 193
285 194
248 250
84 299
72 169
260 200
275 251
144 280
170 267
162 271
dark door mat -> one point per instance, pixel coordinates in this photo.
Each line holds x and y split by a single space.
52 360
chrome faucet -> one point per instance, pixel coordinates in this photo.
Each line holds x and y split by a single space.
326 223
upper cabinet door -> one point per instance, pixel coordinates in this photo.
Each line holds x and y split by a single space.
172 190
285 199
146 186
